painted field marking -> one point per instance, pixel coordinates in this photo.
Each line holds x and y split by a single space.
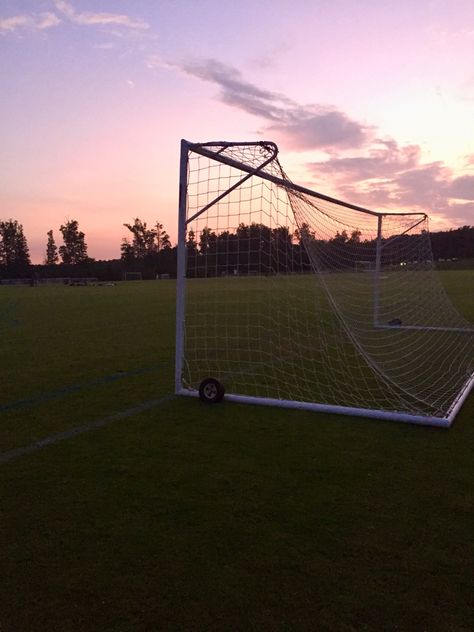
16 453
74 388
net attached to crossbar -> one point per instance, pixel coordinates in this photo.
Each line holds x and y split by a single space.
292 296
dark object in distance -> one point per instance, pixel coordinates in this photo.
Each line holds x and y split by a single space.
395 322
211 391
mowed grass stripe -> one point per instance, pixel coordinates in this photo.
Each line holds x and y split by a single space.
77 354
75 388
13 455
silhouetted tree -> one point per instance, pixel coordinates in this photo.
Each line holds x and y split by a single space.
74 249
228 252
304 235
207 240
127 251
340 238
143 241
355 236
455 243
13 245
51 250
191 245
162 238
193 258
248 250
146 242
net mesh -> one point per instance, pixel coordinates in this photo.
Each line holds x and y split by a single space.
297 297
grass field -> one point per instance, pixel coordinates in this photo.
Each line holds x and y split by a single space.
146 512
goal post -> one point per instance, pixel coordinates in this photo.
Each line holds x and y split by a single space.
288 297
181 265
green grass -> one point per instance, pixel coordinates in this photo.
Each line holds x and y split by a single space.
187 517
277 337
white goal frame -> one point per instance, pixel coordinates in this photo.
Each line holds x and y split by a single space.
184 221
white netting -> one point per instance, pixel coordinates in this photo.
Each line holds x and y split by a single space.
296 297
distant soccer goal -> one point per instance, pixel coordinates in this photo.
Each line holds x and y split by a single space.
132 276
288 297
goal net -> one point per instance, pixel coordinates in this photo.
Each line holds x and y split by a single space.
288 297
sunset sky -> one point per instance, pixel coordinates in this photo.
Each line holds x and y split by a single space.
370 101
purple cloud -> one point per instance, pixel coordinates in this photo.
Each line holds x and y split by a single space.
88 18
34 22
384 159
398 181
384 175
302 127
317 127
462 188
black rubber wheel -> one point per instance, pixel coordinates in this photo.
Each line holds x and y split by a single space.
211 391
395 322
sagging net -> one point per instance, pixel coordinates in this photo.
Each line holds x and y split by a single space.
298 297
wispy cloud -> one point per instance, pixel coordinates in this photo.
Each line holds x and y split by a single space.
303 127
469 160
41 21
15 22
47 20
36 22
88 18
104 46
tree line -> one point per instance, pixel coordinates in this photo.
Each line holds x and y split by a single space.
148 250
15 254
259 249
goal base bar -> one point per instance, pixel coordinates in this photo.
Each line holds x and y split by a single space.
462 330
461 398
421 420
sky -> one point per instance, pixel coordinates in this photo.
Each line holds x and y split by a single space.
368 101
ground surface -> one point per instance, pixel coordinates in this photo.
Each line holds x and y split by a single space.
169 515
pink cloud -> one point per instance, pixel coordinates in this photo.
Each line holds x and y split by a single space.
90 18
393 177
35 22
301 126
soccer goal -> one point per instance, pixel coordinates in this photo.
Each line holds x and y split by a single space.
290 298
132 276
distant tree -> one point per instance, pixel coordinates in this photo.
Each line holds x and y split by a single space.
281 237
13 245
191 245
304 234
207 240
143 241
281 243
454 243
340 238
355 236
74 249
162 238
51 250
127 252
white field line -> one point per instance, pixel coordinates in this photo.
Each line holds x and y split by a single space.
17 453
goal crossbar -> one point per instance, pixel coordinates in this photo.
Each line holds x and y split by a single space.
201 148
